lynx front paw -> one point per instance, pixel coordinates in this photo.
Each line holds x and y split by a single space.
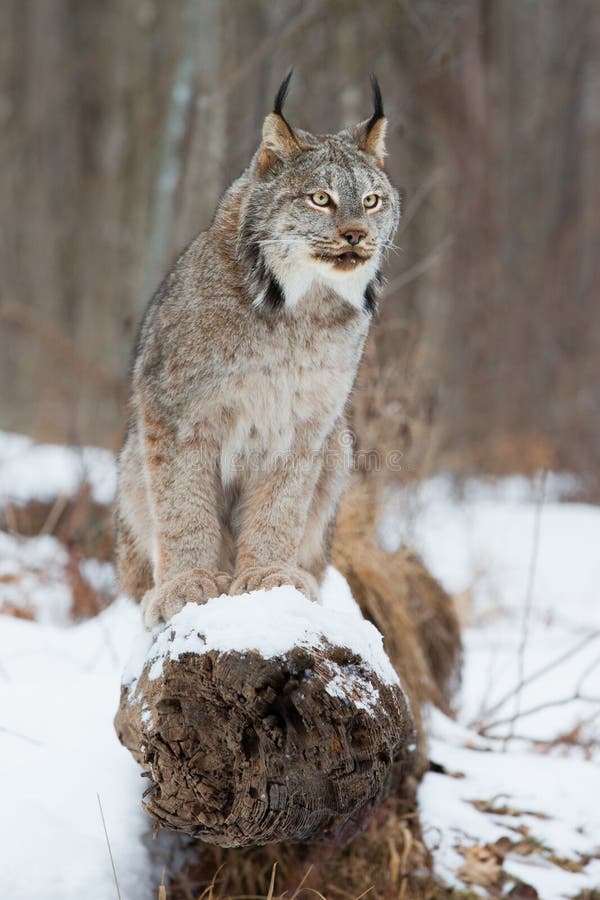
195 586
263 578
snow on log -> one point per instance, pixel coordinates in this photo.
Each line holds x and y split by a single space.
266 718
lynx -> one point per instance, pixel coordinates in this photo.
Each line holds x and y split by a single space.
236 453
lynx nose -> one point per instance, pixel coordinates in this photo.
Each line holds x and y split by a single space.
354 235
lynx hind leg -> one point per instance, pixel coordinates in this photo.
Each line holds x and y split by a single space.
134 569
315 550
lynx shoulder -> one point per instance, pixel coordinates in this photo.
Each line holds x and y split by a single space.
236 454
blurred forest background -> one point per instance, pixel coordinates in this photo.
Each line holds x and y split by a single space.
123 121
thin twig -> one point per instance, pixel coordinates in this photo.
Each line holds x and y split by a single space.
364 893
162 890
272 884
56 511
563 738
300 886
23 737
587 671
547 704
529 594
417 200
428 262
112 862
543 670
208 890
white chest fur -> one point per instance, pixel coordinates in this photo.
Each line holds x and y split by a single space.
276 409
297 275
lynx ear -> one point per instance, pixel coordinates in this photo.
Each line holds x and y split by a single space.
278 138
370 135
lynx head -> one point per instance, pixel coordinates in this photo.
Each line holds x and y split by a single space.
319 210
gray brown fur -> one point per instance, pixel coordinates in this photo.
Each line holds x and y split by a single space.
236 454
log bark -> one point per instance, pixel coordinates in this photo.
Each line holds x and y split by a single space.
242 750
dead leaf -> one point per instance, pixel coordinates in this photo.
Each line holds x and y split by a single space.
483 866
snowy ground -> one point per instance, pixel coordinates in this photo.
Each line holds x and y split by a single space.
519 771
59 688
525 570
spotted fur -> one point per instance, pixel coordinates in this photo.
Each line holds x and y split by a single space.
237 454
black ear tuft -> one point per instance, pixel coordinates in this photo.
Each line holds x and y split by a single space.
378 112
281 94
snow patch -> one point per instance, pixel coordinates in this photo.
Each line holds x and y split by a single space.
353 688
59 690
483 547
270 622
556 800
32 578
30 471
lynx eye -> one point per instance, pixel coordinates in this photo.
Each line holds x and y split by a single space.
371 201
320 198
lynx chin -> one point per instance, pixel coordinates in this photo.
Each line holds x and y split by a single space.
235 457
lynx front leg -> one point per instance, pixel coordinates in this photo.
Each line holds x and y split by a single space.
182 484
273 523
315 551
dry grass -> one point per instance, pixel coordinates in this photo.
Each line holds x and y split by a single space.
79 522
83 527
388 861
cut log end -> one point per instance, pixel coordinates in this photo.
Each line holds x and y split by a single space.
243 750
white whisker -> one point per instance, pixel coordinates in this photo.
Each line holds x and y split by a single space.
280 241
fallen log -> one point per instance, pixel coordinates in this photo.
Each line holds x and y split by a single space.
267 718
